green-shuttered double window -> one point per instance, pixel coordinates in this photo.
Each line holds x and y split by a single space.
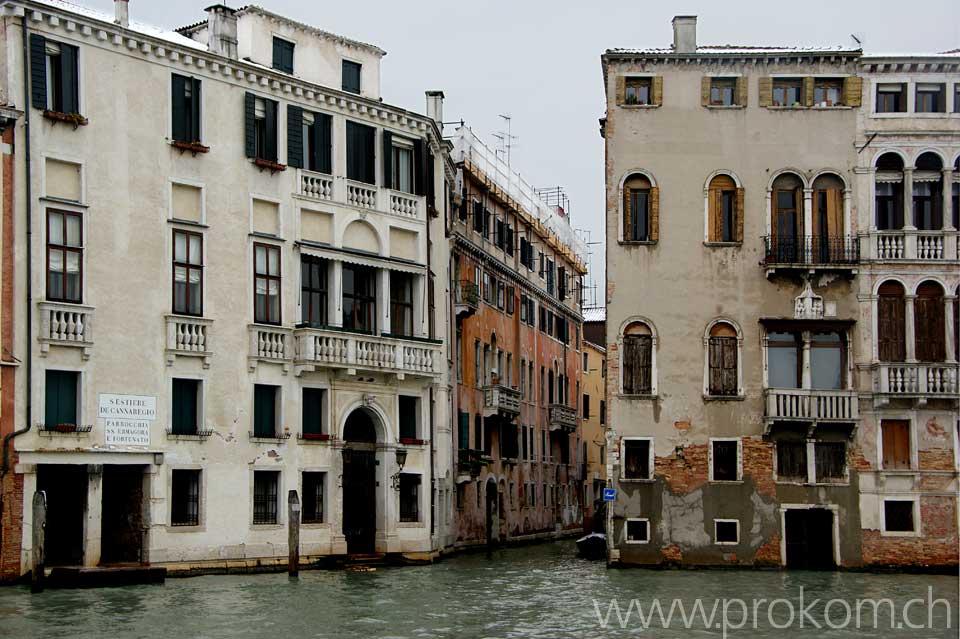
185 406
265 410
61 399
313 400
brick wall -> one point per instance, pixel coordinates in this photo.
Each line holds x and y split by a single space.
938 545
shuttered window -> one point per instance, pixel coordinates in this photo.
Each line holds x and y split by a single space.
896 444
312 411
891 312
361 153
309 143
54 75
351 76
725 208
185 406
185 107
929 323
637 364
723 365
792 460
60 399
260 125
830 460
283 55
463 430
265 410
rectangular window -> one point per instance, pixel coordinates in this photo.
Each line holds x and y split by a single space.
62 74
723 91
60 400
898 516
265 129
351 76
638 90
792 460
727 216
265 489
638 531
783 360
889 207
312 412
313 291
463 432
501 296
603 412
830 461
726 531
586 406
185 407
956 104
409 408
316 142
639 215
637 364
312 510
636 459
186 109
477 432
402 167
64 256
361 153
896 444
409 497
282 55
359 298
827 361
266 284
187 273
401 304
511 300
265 410
931 98
726 460
787 92
184 497
891 98
723 366
828 92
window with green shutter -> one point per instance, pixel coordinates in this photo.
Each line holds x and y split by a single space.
409 408
185 406
312 411
351 76
361 153
264 410
463 434
185 108
61 399
283 55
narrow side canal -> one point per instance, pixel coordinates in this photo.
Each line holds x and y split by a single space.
535 591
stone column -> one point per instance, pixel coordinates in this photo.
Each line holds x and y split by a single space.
948 326
339 167
383 301
92 530
847 208
908 221
910 336
874 329
807 225
335 294
946 192
806 380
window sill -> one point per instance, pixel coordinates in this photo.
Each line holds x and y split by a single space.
724 398
315 525
837 107
313 438
638 242
75 119
200 435
723 244
171 528
629 396
273 167
279 437
725 107
896 533
71 429
410 524
639 106
624 480
412 441
199 225
721 482
192 147
267 526
631 542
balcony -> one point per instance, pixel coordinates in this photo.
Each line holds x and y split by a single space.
809 405
322 187
468 299
500 400
810 253
913 246
562 417
469 462
918 381
336 348
272 344
66 325
189 337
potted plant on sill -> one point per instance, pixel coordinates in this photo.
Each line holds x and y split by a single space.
193 147
70 118
322 437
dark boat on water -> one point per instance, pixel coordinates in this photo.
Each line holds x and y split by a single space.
593 546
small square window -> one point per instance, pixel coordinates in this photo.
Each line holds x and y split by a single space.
638 531
283 55
787 92
637 91
265 494
185 498
828 92
726 466
351 76
726 531
891 98
723 91
931 98
898 516
312 510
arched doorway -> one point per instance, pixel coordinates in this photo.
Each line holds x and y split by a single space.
360 482
493 512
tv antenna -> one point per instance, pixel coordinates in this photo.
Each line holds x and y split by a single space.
505 138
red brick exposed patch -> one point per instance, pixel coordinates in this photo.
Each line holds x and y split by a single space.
671 554
936 459
769 553
937 547
758 466
684 474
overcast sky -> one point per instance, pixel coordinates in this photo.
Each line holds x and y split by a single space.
540 61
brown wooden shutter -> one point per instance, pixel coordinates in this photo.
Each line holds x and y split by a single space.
808 91
729 365
765 91
891 339
798 197
657 90
621 89
739 213
742 91
929 324
715 205
852 91
835 212
716 366
654 214
817 213
644 370
630 362
705 91
896 444
627 215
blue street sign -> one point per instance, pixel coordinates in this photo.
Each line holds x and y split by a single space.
609 494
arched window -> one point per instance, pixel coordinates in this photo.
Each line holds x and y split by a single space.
725 210
638 360
641 210
722 360
829 242
889 192
891 331
786 219
927 189
928 314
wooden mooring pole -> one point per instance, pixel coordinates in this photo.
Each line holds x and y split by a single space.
37 569
293 533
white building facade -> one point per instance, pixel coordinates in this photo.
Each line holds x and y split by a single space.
231 292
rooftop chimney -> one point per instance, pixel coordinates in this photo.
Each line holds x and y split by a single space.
222 30
685 34
435 107
121 10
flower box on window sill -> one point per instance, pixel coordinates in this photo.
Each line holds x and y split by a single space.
198 435
192 147
411 441
276 437
314 437
70 118
724 398
638 242
269 164
65 429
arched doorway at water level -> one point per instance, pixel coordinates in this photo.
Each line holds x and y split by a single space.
493 512
360 482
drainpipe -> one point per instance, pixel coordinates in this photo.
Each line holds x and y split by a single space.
29 211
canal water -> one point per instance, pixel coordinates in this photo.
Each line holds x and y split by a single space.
541 591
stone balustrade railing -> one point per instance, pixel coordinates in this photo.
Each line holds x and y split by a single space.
913 245
270 344
498 398
361 195
66 325
188 336
317 186
562 416
328 188
936 379
801 404
337 348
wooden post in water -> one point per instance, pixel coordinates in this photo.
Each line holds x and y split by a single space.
37 569
293 533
